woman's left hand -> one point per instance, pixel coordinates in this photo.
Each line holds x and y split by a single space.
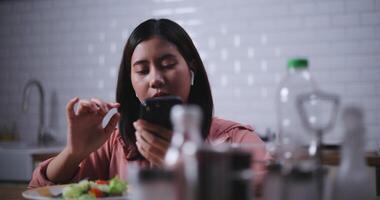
152 141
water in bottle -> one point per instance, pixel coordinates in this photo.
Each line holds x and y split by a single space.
181 154
292 135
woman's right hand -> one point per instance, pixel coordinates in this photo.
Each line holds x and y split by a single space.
85 131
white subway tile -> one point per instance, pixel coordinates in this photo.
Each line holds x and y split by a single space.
322 76
356 47
373 132
378 30
362 61
371 104
327 63
39 6
360 89
370 117
30 17
71 14
4 33
10 20
345 20
332 7
293 37
21 7
289 23
361 33
346 76
337 88
331 35
303 8
371 75
4 53
372 18
306 50
51 15
5 9
360 6
68 4
317 21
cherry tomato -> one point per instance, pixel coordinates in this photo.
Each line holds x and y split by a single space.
101 182
95 192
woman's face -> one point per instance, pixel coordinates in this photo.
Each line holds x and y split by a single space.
158 69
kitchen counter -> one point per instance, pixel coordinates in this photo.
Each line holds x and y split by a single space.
18 160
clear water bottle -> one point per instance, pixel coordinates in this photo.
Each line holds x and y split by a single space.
292 135
181 156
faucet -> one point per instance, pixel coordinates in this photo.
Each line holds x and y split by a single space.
44 138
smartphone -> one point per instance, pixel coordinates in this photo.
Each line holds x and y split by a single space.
157 110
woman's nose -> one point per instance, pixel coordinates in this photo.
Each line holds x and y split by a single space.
157 79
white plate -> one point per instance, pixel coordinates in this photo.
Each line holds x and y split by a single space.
47 193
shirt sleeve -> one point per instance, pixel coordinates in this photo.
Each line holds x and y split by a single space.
95 166
39 175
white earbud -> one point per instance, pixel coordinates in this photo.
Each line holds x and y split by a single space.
191 77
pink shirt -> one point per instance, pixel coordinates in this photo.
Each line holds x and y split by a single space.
111 159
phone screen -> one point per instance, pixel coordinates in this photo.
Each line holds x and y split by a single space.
157 110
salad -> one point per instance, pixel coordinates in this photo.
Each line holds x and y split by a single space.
86 190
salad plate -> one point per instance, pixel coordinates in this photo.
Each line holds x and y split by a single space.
52 192
115 189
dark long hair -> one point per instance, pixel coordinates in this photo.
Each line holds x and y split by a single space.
200 92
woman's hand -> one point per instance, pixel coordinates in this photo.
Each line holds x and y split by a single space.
85 135
152 141
85 131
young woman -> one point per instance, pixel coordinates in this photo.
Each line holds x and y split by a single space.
159 59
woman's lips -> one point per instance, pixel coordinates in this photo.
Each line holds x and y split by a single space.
160 94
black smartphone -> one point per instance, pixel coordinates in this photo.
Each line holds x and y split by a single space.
157 110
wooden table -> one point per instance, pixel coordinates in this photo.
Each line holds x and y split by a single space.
12 190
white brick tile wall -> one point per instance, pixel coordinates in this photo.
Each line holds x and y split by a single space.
74 48
332 7
345 20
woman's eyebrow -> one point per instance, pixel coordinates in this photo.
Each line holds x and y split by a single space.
167 56
140 62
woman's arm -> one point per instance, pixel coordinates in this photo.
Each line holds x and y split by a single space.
63 167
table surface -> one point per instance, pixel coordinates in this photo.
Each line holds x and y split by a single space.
332 157
12 191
